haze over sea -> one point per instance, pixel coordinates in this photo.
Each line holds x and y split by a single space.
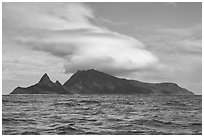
101 114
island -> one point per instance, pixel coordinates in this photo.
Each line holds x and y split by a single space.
96 82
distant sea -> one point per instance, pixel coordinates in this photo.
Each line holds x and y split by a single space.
101 114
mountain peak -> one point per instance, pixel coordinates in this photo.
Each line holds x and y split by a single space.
91 70
58 83
45 79
88 76
88 70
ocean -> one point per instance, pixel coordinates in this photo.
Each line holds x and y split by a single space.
101 115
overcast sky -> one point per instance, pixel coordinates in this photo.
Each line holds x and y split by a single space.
150 42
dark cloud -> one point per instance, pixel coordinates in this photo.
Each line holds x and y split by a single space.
54 49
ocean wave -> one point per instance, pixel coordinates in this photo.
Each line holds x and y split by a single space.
106 115
174 103
90 101
17 120
68 104
30 133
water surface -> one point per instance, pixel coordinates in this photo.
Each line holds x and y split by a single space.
101 114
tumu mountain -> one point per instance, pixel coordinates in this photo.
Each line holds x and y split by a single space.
95 82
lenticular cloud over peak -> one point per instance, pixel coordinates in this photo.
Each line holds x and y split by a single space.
117 53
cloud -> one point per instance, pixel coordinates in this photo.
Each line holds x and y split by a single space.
180 55
194 30
110 22
188 46
185 41
164 41
65 31
30 63
109 52
53 16
174 4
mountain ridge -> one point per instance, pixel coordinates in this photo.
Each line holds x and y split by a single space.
44 86
96 82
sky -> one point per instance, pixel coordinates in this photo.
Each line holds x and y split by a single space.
150 42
